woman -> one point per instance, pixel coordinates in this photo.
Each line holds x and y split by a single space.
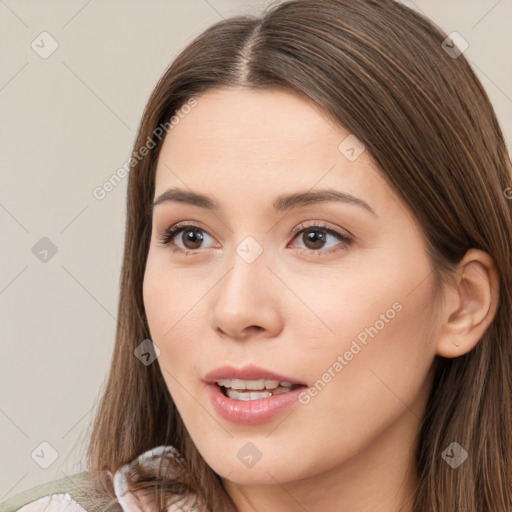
316 299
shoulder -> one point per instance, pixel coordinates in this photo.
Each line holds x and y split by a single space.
55 496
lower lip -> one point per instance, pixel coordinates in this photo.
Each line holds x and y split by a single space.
251 412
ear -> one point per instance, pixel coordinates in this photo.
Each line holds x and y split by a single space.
470 304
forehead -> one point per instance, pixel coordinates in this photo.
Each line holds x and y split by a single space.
243 124
242 143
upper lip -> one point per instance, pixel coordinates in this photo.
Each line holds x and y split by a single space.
249 372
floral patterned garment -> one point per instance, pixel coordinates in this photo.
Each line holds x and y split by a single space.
63 501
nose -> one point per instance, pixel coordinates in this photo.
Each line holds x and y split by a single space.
246 302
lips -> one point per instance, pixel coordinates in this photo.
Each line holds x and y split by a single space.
250 372
254 411
243 407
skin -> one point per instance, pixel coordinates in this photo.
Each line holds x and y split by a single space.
297 306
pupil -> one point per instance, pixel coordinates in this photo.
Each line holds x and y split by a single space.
317 238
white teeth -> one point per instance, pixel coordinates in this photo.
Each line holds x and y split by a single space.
238 384
235 395
252 384
251 395
281 390
241 389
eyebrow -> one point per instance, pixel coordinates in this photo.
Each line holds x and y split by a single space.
283 202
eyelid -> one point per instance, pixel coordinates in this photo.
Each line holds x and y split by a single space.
321 224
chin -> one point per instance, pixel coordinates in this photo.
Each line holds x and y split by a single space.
263 476
260 473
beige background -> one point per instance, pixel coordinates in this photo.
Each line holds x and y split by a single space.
68 122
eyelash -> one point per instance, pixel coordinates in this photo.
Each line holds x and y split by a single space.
171 233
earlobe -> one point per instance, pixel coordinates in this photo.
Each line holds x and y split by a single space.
470 305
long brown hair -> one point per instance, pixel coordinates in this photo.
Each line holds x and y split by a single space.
380 70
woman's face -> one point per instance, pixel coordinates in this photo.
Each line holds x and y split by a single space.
346 308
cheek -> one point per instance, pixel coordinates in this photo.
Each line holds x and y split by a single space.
169 297
379 355
362 301
174 313
161 306
374 320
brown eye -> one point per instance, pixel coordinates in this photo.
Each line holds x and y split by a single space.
184 238
192 238
313 238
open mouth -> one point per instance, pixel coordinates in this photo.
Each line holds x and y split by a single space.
253 401
254 390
